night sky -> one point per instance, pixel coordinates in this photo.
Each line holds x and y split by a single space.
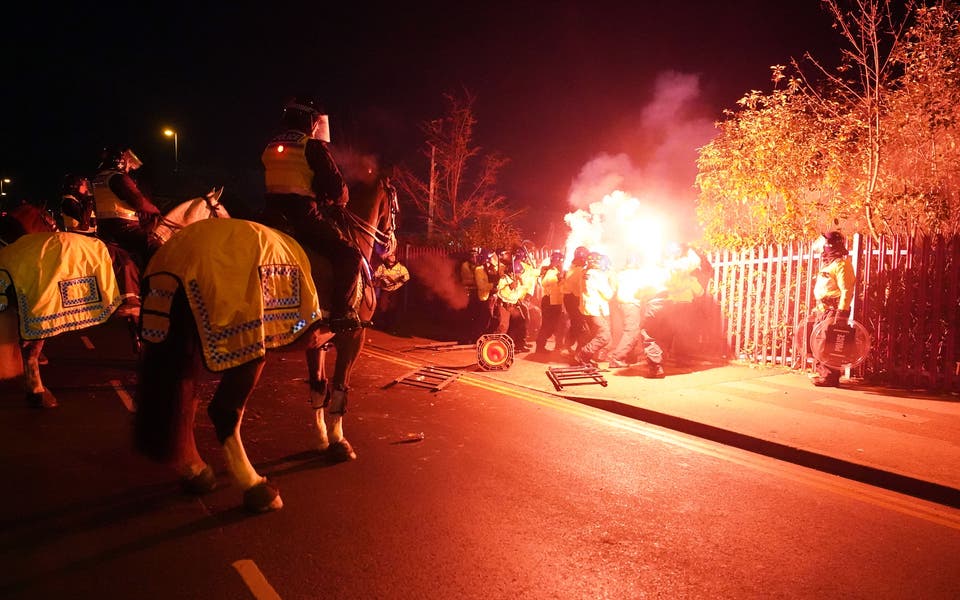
556 83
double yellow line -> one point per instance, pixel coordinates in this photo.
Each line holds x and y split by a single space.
901 503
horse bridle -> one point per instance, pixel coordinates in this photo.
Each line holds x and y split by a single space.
386 237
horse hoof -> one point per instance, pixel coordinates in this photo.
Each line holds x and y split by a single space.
41 400
203 482
262 498
342 451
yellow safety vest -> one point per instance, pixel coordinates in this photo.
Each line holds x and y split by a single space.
108 204
285 161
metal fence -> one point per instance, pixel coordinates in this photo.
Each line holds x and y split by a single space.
906 297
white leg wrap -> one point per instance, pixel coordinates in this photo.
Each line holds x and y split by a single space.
323 442
238 464
336 428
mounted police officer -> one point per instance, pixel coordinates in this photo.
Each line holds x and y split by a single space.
125 216
306 195
78 215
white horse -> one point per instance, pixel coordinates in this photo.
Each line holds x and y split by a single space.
77 288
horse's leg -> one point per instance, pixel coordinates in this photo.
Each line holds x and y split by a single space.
348 345
37 396
226 412
316 357
167 402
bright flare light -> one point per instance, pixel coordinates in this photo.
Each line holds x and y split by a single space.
620 226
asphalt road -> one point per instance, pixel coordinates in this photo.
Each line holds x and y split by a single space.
508 493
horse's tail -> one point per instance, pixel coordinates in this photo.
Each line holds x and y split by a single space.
166 402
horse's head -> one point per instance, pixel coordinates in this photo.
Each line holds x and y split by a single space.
207 206
373 210
23 219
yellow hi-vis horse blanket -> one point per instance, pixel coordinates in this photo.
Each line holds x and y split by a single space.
249 288
63 282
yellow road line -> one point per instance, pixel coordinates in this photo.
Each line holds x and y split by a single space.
124 396
253 577
901 503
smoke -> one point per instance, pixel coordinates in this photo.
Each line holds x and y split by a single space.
438 275
625 201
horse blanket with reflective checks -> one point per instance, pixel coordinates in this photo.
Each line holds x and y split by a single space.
63 282
249 288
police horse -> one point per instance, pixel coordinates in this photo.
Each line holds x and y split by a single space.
196 315
75 286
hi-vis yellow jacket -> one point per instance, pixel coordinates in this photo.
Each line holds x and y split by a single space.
287 169
109 205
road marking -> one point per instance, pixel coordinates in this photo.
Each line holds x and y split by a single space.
744 386
902 503
253 577
124 396
86 342
859 409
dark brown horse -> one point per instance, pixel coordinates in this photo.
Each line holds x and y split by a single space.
186 326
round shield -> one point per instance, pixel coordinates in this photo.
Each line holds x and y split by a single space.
840 344
494 351
534 322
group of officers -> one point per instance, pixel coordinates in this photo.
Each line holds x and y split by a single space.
305 196
575 301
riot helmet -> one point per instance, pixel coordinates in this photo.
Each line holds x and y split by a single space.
306 116
580 255
76 185
120 158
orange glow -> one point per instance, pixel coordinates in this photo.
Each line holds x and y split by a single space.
625 228
280 148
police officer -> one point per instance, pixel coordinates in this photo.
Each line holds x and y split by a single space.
78 214
597 291
833 291
572 287
77 206
306 195
551 302
125 216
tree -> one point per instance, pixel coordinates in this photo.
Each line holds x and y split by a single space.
870 147
771 174
459 195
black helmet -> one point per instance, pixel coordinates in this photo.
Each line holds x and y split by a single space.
121 158
308 117
72 183
835 240
556 256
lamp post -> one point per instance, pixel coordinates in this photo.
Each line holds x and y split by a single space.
3 181
176 151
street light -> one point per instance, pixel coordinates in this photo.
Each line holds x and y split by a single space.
3 181
176 151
